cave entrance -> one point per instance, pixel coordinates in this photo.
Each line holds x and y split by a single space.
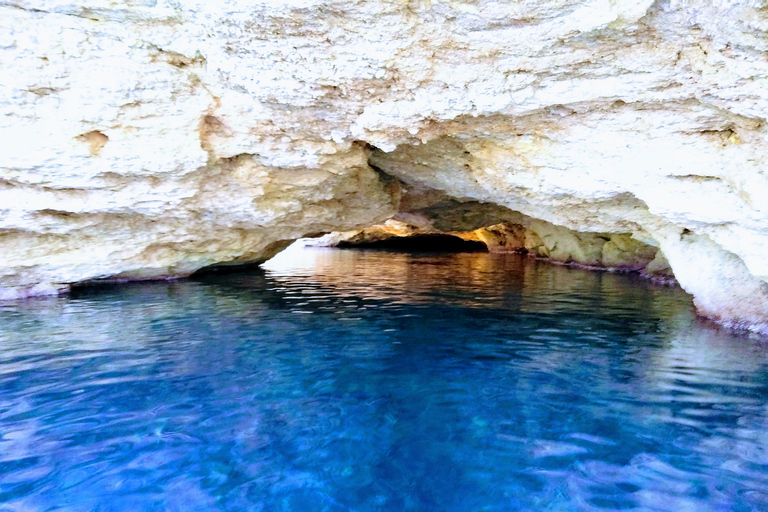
430 243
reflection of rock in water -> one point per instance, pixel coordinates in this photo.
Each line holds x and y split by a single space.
509 281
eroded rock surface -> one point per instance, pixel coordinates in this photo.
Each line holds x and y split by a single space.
151 138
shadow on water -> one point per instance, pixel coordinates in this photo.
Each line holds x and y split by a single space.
367 380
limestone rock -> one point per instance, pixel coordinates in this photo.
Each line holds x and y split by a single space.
151 138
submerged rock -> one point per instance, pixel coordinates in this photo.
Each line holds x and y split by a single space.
152 139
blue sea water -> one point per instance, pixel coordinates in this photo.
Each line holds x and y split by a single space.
339 380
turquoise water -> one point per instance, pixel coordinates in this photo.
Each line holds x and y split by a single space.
370 381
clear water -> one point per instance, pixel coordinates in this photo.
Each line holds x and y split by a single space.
361 381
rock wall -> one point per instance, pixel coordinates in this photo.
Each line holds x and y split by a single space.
151 138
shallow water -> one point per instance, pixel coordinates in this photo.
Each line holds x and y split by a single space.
359 380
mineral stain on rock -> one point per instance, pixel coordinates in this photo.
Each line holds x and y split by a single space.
95 140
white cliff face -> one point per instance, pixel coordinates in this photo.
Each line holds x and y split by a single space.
151 138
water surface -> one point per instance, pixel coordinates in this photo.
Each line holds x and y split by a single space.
342 380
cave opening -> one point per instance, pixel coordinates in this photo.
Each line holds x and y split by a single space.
426 243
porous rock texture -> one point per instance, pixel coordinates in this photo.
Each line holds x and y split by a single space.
152 138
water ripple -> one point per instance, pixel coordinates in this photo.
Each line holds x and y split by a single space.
343 380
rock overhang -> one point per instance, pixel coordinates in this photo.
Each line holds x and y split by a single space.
151 140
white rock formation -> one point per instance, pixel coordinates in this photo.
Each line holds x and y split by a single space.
150 138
